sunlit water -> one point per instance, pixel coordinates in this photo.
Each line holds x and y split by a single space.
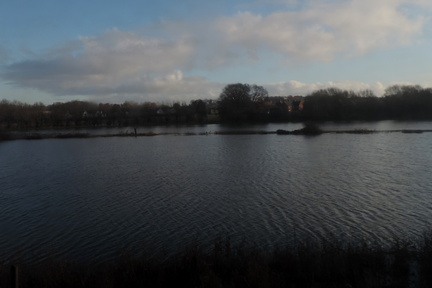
94 198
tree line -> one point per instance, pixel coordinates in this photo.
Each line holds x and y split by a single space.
399 102
242 102
237 103
19 115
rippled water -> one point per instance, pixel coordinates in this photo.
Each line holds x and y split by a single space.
96 197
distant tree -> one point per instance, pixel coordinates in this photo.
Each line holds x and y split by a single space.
258 93
366 93
408 102
336 104
326 104
199 108
402 90
238 102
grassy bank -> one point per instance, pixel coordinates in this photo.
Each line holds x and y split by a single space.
323 264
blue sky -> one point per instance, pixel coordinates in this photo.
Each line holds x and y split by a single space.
169 50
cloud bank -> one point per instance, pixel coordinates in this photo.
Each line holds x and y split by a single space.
117 62
128 65
304 88
325 29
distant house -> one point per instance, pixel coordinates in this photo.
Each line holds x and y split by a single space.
296 103
100 114
212 107
160 112
284 103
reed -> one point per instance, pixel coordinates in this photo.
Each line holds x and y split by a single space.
327 263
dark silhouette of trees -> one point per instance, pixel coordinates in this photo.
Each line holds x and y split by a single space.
402 102
336 105
241 102
408 102
199 110
330 104
18 115
15 114
237 103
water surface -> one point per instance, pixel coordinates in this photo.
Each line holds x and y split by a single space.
92 198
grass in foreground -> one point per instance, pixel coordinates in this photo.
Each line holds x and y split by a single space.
326 264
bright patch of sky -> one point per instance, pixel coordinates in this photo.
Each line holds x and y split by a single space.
166 50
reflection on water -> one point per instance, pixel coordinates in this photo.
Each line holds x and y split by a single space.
91 197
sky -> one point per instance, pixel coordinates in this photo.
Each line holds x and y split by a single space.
176 51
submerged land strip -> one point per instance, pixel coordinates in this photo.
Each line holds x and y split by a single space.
304 131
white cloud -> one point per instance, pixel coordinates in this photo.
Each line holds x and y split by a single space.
294 87
116 62
126 53
323 29
169 87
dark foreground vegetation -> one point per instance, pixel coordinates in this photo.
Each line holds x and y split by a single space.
328 263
